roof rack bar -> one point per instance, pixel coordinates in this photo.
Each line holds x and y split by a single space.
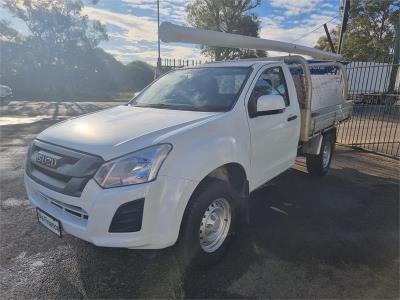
174 33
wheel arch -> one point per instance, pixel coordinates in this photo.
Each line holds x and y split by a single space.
331 131
233 173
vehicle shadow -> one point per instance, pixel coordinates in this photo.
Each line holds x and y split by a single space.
331 219
297 220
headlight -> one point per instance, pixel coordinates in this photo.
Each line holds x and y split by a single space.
138 167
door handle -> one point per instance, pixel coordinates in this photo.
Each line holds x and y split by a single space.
291 118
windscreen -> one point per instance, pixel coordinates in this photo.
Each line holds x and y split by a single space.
200 89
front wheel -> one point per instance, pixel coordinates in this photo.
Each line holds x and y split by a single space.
318 165
208 224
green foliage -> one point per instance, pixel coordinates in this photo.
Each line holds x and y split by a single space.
58 24
7 33
59 58
323 43
370 32
140 74
226 16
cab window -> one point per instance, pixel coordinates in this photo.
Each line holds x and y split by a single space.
271 82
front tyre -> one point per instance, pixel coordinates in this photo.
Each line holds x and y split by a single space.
208 224
318 165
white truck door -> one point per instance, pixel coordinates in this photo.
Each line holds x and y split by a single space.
274 136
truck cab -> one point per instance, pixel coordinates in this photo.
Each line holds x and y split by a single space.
176 165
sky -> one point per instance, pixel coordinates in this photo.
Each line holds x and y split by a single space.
132 25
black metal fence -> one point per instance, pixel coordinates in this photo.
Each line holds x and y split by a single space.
172 63
374 88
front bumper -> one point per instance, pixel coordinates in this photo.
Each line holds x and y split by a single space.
164 205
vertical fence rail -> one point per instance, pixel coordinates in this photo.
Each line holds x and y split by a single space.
170 64
376 115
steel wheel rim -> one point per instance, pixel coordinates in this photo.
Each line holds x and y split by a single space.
326 155
215 224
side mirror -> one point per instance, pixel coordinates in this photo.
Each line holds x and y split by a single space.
270 105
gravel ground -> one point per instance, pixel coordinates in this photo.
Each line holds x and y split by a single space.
331 237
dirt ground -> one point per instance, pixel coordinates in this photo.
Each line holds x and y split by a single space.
330 237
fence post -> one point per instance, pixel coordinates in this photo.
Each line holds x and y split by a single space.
396 59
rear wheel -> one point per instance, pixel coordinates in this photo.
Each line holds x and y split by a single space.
208 224
318 165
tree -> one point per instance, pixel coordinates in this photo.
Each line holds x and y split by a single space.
57 24
59 58
53 58
323 43
370 32
226 16
139 74
8 34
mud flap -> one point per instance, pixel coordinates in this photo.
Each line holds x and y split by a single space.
313 146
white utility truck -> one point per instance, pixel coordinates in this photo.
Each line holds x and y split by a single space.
177 163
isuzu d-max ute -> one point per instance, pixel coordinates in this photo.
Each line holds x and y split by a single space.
177 163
